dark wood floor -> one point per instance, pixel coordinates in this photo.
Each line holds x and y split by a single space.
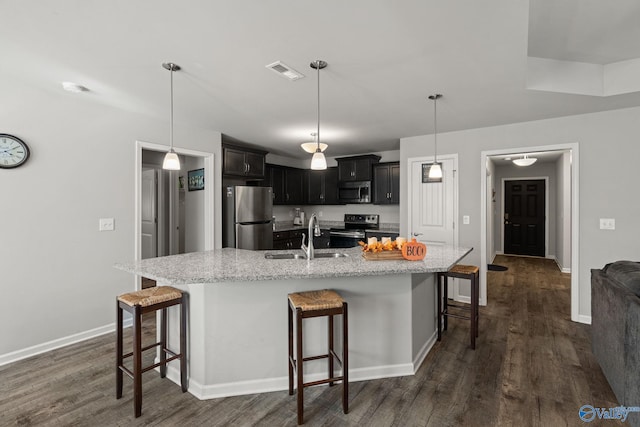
532 367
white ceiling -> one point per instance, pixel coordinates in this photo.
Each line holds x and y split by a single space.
385 58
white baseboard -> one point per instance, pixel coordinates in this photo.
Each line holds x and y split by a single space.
282 383
422 354
584 319
25 353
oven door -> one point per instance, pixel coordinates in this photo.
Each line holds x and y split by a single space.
345 238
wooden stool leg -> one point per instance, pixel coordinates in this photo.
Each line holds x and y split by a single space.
163 343
183 342
476 277
137 361
118 350
289 361
445 300
439 299
345 358
330 358
299 367
474 311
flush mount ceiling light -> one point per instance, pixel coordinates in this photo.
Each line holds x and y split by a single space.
525 161
285 71
435 171
74 87
318 161
171 160
310 147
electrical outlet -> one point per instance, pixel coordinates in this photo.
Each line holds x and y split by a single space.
320 214
465 219
607 224
107 224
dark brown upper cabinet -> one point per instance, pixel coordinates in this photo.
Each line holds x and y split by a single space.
357 168
386 183
323 187
288 184
243 161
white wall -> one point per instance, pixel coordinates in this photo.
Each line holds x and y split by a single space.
58 274
194 208
609 152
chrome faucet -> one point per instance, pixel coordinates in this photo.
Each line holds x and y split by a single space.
308 249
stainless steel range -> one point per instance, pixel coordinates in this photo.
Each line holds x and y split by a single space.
353 231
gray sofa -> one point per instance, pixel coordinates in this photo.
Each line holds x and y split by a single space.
615 329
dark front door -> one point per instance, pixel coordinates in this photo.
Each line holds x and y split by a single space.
524 217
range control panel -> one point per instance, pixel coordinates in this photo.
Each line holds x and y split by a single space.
369 221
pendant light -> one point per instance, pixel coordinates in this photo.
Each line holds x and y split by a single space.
435 171
525 161
310 147
318 161
171 160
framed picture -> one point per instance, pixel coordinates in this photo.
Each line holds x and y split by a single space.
195 180
426 167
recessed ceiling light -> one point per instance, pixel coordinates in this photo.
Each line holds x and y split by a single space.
74 87
285 71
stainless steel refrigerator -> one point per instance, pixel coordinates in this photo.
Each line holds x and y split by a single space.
247 217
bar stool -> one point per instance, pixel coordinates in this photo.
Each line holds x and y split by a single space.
472 273
314 304
139 303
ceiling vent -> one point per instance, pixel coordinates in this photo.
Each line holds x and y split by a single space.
285 71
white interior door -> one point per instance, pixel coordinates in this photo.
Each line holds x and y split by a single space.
433 209
149 208
433 205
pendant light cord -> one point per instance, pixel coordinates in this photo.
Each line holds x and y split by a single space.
171 110
318 131
435 130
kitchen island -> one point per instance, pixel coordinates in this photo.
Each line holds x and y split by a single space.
238 322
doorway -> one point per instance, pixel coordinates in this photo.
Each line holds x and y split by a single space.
566 225
524 217
170 219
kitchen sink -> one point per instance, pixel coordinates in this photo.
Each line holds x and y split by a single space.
329 255
302 256
285 256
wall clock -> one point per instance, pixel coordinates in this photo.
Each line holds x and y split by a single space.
13 151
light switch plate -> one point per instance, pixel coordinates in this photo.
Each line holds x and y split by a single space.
107 224
465 219
607 224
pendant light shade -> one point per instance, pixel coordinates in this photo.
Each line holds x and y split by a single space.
525 161
435 171
310 147
318 161
171 160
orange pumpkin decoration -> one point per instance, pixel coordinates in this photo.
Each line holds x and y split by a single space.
414 250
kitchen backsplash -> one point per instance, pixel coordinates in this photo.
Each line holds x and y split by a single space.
388 213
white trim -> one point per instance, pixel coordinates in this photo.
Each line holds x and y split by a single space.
546 207
209 198
24 353
584 319
422 353
268 385
573 148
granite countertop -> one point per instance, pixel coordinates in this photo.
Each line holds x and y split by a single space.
229 265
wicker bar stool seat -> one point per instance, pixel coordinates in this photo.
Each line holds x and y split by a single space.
472 273
315 304
139 303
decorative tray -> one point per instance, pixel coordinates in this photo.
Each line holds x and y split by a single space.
383 256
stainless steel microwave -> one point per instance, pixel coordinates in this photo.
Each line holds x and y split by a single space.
354 192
